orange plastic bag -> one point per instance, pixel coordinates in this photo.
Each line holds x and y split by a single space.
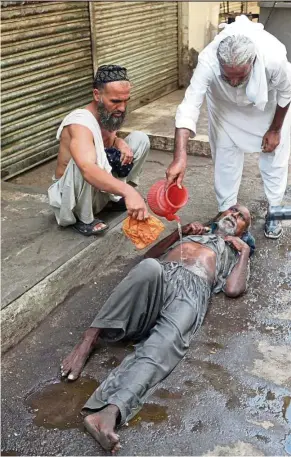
142 233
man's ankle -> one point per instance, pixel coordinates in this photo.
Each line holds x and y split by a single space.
114 410
91 335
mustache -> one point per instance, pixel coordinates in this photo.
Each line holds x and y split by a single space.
230 219
108 120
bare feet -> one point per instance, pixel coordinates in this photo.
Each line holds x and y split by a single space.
102 425
73 364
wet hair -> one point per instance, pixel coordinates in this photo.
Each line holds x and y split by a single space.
236 50
109 73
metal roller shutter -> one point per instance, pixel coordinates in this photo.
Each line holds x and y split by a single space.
142 36
46 72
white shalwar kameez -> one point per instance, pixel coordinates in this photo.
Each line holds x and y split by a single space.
240 117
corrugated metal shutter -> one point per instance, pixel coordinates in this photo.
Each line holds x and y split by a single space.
46 72
142 36
232 7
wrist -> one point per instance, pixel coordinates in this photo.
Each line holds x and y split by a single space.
128 190
275 129
180 157
245 251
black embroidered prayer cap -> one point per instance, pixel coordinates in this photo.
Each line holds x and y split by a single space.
109 73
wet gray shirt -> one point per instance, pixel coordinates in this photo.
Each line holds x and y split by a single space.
226 257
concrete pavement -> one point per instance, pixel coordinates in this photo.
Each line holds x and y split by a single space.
230 395
157 119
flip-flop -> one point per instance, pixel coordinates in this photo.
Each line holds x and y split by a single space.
88 229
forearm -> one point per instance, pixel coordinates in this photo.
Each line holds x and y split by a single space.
279 117
117 142
181 140
104 181
161 247
236 283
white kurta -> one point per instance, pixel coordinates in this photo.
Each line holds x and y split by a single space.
239 117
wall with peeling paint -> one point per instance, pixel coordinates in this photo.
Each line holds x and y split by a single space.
198 26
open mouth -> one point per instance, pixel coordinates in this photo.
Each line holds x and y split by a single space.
231 221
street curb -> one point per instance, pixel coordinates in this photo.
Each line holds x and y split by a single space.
198 146
27 311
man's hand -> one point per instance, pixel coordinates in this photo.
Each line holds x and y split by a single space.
175 172
237 243
194 229
126 152
271 140
135 205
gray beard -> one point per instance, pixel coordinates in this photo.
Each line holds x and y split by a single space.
107 120
227 226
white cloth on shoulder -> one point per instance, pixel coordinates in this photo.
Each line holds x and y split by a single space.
266 47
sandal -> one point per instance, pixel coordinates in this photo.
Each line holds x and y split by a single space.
88 229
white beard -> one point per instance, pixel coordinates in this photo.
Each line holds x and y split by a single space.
227 225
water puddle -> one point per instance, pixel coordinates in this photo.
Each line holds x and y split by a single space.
284 252
59 404
197 427
9 453
286 410
150 413
263 438
213 346
288 444
165 394
112 362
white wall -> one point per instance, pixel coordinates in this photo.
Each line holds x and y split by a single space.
203 23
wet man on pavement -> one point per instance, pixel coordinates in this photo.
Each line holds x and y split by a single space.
160 305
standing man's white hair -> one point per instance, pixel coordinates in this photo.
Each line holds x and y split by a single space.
236 50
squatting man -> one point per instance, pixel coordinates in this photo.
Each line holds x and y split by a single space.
246 78
84 182
159 305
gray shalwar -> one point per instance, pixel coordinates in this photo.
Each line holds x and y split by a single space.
160 305
71 197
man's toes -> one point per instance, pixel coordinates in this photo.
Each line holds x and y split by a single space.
113 438
72 377
116 448
65 369
75 373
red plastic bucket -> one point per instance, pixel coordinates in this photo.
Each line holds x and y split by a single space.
166 203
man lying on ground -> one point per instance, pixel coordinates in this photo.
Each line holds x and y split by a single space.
160 305
88 177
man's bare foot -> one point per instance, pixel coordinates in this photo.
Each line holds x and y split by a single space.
102 425
73 364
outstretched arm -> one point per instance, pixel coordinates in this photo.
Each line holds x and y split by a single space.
186 119
160 248
236 283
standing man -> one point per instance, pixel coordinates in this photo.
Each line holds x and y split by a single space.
84 179
246 77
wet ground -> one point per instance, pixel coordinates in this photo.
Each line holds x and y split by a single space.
231 394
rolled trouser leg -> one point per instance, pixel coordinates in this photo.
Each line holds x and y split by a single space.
129 385
140 145
133 306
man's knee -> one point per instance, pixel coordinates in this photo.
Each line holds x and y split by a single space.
150 269
139 141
